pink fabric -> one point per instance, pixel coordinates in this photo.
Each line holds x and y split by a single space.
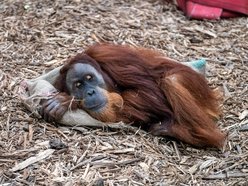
213 9
195 10
240 6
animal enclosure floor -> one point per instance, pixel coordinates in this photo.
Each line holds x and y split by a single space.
39 35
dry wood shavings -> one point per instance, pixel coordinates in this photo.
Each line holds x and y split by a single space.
35 36
42 155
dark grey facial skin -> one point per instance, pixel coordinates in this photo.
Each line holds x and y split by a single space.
85 83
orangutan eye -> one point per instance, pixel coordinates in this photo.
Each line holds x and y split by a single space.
78 84
89 77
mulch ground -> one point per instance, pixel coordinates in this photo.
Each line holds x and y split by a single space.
40 35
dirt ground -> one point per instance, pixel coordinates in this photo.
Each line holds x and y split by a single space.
39 35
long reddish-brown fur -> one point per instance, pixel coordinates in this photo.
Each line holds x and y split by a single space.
166 97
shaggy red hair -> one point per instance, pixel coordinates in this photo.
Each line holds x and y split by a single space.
163 96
